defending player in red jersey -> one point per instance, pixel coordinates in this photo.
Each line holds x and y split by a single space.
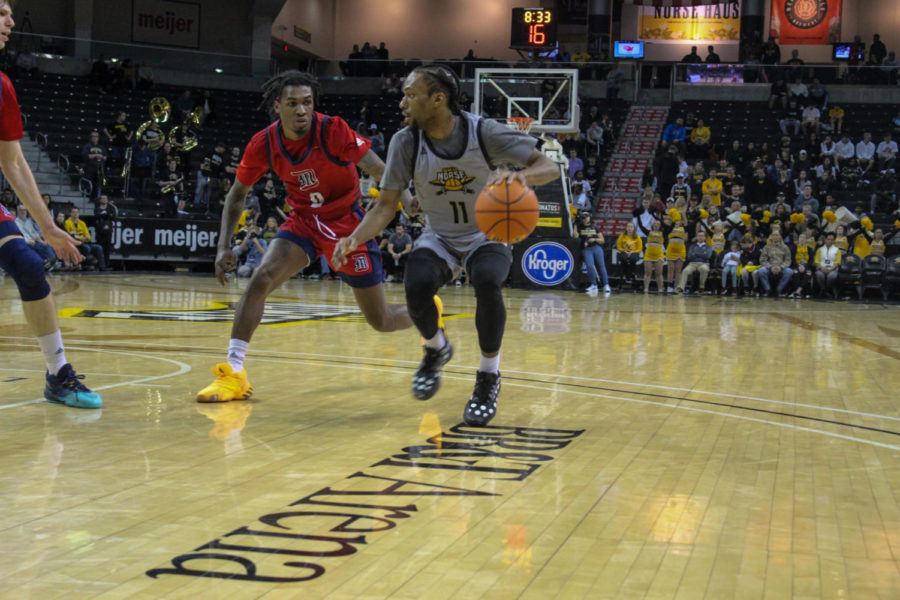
21 261
316 157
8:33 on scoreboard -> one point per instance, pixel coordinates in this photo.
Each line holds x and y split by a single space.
532 28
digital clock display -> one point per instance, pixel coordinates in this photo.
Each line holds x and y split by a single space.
532 28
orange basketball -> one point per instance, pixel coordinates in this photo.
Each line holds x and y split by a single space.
507 212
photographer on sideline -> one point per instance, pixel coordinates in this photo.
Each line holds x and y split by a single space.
250 250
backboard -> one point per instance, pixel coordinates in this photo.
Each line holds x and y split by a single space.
549 96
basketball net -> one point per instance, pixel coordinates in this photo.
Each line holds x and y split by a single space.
523 124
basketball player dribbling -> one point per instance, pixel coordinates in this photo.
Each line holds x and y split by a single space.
316 157
21 261
440 143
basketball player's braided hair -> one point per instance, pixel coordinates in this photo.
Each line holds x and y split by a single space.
274 87
443 79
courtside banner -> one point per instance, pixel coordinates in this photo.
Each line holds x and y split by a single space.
165 22
141 238
806 22
713 23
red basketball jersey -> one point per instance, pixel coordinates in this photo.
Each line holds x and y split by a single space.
10 130
318 171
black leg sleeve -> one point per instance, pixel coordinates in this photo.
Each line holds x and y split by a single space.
488 268
426 272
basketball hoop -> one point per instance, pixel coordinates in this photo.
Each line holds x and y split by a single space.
523 124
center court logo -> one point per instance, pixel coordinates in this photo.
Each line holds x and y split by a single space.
547 263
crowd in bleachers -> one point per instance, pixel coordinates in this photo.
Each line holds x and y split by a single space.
787 211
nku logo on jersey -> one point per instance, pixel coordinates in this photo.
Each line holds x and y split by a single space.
452 180
547 263
306 178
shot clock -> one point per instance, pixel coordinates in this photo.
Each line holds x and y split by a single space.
532 29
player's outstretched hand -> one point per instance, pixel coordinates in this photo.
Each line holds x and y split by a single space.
499 176
226 262
65 245
344 247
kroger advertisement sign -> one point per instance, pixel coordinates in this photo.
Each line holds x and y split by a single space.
547 263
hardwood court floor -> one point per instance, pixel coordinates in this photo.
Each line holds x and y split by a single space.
646 447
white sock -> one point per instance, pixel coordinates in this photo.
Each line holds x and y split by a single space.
236 351
438 341
490 364
53 350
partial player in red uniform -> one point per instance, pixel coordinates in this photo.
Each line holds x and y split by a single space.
316 157
21 261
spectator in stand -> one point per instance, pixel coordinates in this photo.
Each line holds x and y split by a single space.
681 190
828 259
798 92
614 80
232 163
792 118
94 162
145 76
100 72
889 69
877 51
77 228
377 139
730 263
749 263
391 85
886 153
711 57
693 58
759 189
827 183
770 56
804 252
827 167
700 138
575 163
801 181
592 253
806 198
775 260
836 119
843 149
350 67
826 148
851 175
580 199
629 248
795 66
785 185
818 94
675 132
594 136
778 94
592 171
667 168
699 258
884 195
865 152
811 116
208 104
183 106
32 234
208 175
118 135
712 187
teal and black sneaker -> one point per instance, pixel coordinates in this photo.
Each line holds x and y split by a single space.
66 388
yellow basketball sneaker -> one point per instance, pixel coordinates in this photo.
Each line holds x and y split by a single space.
227 386
440 310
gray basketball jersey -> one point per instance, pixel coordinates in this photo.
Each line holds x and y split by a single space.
448 176
447 188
